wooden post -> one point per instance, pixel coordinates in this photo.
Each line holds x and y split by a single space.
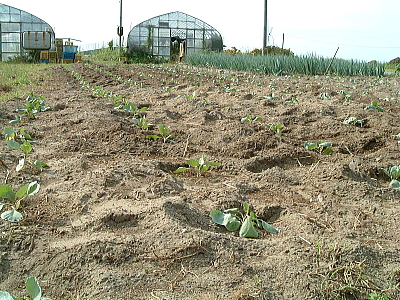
327 69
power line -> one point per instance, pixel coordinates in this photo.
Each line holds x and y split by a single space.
372 47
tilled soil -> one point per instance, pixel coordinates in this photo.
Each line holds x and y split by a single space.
113 221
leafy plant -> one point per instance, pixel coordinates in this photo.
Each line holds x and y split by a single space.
33 288
354 121
164 134
199 165
276 128
374 105
26 148
142 123
34 105
394 174
130 107
320 147
233 219
249 118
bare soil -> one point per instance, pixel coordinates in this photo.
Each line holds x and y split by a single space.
112 220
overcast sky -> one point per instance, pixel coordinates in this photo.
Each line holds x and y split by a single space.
363 30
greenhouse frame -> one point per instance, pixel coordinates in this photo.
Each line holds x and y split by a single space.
161 36
13 22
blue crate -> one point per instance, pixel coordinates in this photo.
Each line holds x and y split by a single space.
44 60
68 55
70 49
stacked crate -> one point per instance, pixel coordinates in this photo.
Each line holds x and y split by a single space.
59 49
44 57
69 51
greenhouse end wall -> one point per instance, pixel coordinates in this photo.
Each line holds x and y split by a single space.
161 35
13 22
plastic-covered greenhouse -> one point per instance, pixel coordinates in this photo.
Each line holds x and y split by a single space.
13 22
162 35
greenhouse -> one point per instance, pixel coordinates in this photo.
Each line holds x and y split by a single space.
13 23
171 34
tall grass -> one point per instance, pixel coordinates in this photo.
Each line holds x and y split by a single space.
17 79
278 64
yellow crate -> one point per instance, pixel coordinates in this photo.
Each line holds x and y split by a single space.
52 54
66 61
78 58
59 42
53 61
69 43
44 54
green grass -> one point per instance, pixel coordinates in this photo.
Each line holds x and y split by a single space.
278 64
16 80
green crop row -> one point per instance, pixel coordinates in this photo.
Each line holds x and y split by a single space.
278 64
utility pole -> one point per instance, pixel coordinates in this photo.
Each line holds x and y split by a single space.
265 39
120 30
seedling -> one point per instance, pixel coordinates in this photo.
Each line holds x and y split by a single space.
164 134
276 128
130 107
200 165
33 288
233 219
249 118
142 123
394 174
374 105
26 148
354 121
320 147
192 96
14 201
34 105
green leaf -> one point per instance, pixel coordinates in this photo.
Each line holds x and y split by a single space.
6 296
217 216
193 163
26 147
324 144
229 221
9 130
232 211
20 165
246 207
395 184
247 229
13 144
11 216
210 163
269 227
33 188
39 165
7 192
21 193
180 170
310 146
327 151
33 287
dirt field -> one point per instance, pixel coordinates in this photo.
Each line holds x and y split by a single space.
112 220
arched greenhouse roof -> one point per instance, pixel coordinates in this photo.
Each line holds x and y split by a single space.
13 22
157 35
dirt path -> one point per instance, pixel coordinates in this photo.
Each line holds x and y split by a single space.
112 220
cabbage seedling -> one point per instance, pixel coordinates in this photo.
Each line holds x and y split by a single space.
249 118
34 105
33 288
354 121
247 222
142 123
164 134
276 128
394 174
374 105
320 147
199 165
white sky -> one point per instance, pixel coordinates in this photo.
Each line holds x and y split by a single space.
363 30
